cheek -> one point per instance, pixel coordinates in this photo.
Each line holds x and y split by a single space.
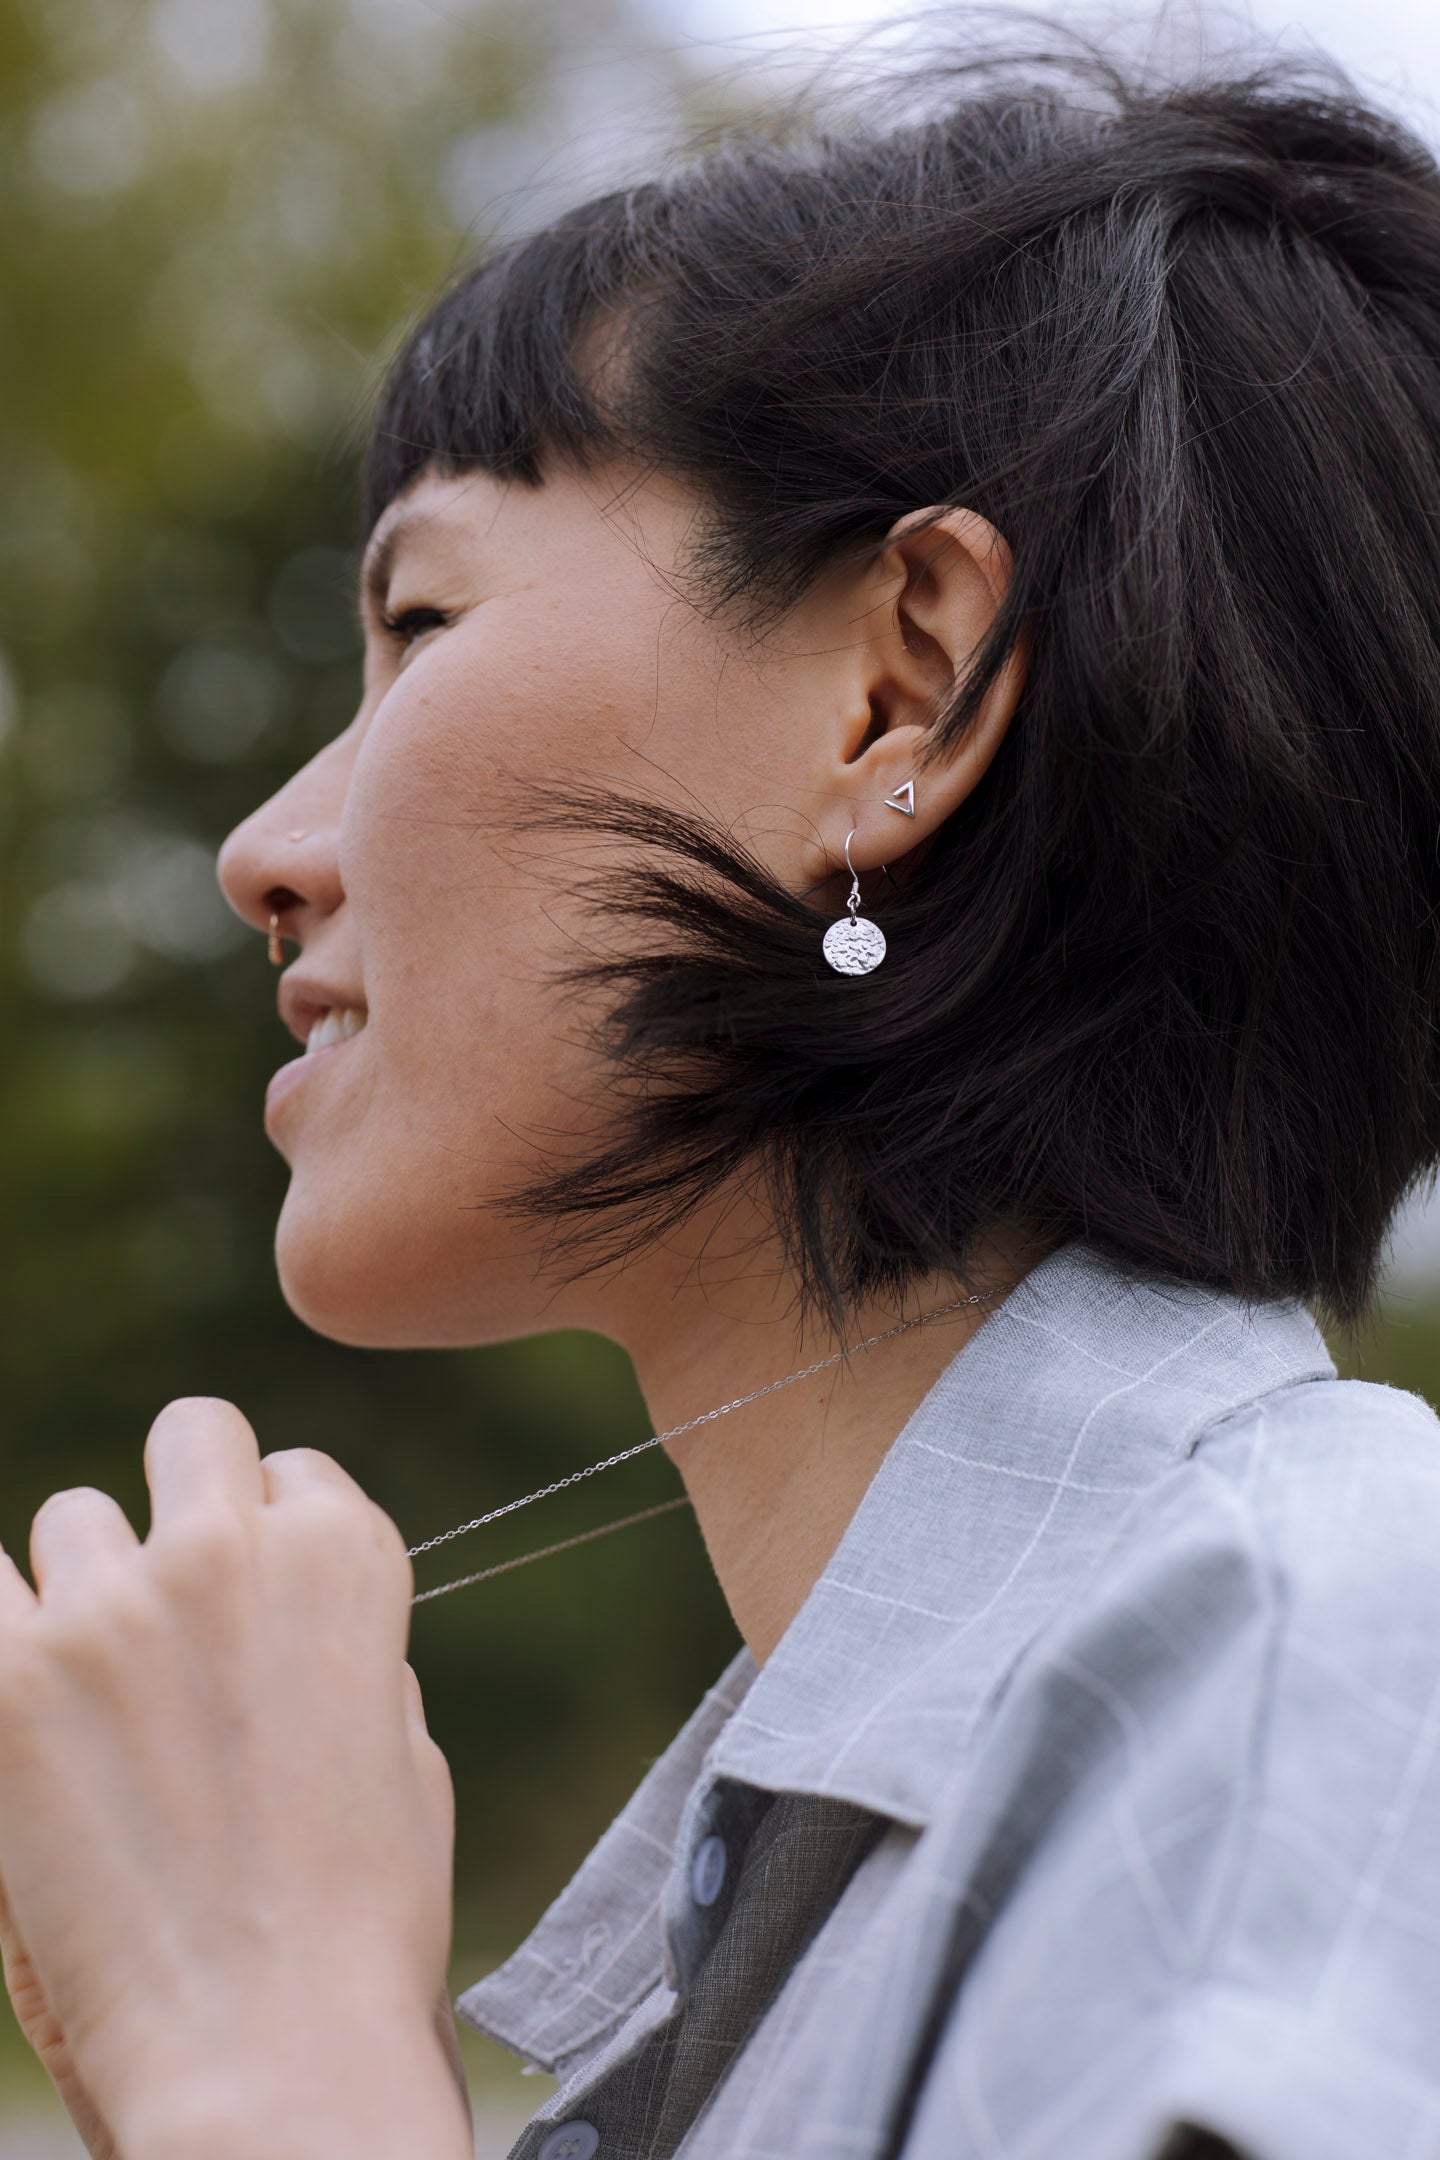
461 921
418 842
463 910
457 752
474 1069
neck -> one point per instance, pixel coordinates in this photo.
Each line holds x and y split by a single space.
775 1485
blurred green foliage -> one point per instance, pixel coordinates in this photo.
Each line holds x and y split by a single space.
220 213
219 216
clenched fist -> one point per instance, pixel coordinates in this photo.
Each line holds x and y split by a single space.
225 1836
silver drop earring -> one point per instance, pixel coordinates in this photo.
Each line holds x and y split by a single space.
853 945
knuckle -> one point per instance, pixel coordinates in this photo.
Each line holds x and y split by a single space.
22 1677
110 1625
188 1420
68 1499
343 1521
188 1415
303 1458
315 1531
326 1511
388 1538
199 1407
207 1553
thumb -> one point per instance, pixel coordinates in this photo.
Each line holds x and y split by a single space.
414 1704
430 1763
46 2035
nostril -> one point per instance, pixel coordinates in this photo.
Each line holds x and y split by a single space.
279 899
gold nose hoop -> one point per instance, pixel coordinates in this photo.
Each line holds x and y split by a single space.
275 947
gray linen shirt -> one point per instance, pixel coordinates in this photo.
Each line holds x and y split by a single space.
1134 1645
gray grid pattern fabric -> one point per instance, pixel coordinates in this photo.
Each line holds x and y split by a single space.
1134 1643
792 1856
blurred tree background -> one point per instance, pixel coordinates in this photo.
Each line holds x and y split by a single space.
220 214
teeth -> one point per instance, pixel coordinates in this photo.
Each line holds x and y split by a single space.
336 1025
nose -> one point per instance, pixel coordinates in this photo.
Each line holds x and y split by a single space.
284 859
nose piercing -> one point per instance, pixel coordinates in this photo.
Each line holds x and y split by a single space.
275 949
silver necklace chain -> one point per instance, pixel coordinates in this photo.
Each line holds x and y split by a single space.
642 1447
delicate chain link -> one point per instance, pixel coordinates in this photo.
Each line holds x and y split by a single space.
642 1447
583 1537
576 1477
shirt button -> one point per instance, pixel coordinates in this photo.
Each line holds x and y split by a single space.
707 1870
572 2141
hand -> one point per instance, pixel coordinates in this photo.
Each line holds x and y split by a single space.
45 2034
43 2030
224 1834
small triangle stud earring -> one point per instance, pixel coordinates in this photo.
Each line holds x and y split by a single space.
902 799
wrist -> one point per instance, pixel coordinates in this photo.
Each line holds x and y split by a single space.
370 2098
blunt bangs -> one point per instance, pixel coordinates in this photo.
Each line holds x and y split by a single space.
489 378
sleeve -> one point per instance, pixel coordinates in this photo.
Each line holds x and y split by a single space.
1246 2075
1220 1925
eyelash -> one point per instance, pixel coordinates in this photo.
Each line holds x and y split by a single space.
397 626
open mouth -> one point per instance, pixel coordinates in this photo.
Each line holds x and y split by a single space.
336 1024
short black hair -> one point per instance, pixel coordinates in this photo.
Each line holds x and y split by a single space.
1169 977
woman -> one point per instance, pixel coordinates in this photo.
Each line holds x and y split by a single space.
1033 510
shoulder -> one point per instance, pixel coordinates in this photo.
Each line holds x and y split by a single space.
1301 1639
1217 1786
1319 1427
1298 1531
1334 1486
1298 1535
1313 1509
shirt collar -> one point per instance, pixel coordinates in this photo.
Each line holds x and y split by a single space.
997 1501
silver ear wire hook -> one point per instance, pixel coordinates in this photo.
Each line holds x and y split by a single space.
854 900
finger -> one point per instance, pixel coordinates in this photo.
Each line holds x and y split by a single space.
75 1534
201 1453
16 1596
290 1473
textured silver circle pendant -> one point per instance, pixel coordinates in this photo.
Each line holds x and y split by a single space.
854 946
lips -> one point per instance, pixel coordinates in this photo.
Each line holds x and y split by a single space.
320 1014
335 1025
323 1017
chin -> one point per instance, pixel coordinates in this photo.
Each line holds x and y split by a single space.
346 1278
378 1283
333 1296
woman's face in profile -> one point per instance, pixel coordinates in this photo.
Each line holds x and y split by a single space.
538 639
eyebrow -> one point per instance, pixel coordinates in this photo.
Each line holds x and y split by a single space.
380 561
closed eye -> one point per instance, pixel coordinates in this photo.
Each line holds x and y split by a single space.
412 623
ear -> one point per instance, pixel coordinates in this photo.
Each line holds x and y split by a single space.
929 599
